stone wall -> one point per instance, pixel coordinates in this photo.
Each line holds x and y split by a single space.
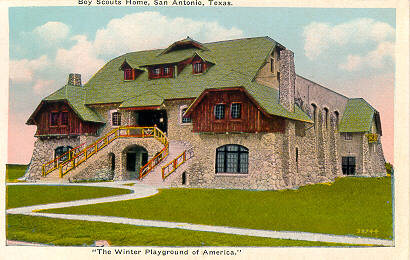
176 129
44 152
265 75
99 165
353 148
265 169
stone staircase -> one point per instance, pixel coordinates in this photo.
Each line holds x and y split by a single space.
154 178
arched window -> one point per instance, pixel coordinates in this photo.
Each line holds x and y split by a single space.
232 158
326 110
62 150
314 111
336 119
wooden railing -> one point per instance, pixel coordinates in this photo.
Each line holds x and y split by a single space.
79 157
147 168
54 164
173 165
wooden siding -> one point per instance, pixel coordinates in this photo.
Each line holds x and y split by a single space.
252 119
75 125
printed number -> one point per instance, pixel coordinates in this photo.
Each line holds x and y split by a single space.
365 231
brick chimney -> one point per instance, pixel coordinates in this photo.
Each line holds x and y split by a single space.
74 79
287 80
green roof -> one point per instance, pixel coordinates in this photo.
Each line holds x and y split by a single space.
235 64
75 97
357 117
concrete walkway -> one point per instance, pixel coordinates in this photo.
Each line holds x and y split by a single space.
140 191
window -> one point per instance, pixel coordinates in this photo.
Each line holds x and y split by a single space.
59 118
167 72
185 120
314 111
161 72
336 114
156 72
347 136
198 67
349 165
236 110
219 111
326 116
115 118
128 74
272 65
232 158
54 118
64 118
62 150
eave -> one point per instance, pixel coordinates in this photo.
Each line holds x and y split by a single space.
206 91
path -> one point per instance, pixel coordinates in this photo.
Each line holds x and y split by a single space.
140 191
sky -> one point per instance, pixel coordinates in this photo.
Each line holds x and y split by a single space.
350 51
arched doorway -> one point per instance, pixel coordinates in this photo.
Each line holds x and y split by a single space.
135 157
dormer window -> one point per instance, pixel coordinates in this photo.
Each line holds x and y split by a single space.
161 72
198 67
167 71
128 74
156 73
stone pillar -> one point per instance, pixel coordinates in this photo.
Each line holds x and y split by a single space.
287 80
289 152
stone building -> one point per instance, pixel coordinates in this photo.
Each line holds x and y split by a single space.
230 114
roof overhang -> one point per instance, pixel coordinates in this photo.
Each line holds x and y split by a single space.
140 108
198 100
31 121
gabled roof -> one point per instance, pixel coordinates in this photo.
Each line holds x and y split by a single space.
174 57
244 55
358 116
185 43
266 98
75 97
236 63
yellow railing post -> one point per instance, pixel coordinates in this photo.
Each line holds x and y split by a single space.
61 172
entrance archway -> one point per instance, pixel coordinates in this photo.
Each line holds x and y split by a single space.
135 157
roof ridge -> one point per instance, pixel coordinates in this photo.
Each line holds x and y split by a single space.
364 100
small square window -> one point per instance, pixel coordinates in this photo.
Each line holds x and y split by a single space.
236 110
219 111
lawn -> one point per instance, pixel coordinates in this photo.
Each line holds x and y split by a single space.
15 171
78 233
350 206
27 195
